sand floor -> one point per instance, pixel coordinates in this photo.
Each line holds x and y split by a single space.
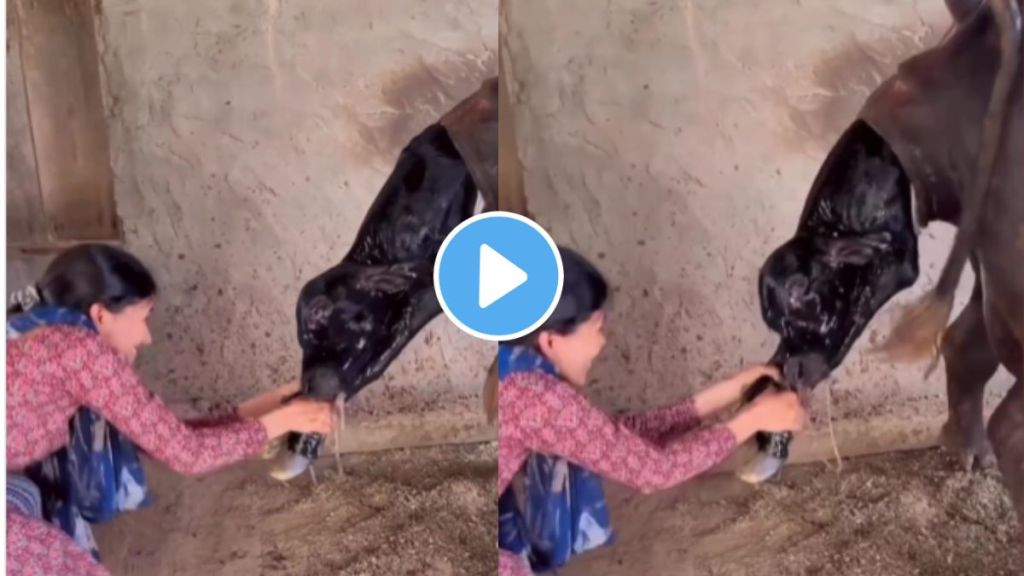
891 515
432 511
405 512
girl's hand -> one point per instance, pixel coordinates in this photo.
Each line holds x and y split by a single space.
306 416
755 373
779 412
770 412
266 402
722 395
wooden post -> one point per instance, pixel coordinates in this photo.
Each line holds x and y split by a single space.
61 99
511 194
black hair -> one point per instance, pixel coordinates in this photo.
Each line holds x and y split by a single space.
90 274
584 292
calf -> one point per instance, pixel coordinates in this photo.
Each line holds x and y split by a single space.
854 249
355 318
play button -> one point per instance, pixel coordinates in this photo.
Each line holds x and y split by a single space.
498 276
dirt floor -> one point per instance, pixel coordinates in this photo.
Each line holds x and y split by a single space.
432 512
409 512
893 515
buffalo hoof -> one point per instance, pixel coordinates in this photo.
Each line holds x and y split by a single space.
970 453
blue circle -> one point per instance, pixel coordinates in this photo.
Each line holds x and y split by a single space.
525 245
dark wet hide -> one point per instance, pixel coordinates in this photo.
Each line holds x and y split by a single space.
355 318
855 248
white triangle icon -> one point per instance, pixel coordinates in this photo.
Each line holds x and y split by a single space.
498 276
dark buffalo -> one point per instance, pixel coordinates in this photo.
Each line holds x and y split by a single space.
941 140
355 318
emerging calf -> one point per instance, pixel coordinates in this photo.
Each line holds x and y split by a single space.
355 318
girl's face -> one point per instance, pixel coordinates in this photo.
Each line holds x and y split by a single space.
574 353
127 330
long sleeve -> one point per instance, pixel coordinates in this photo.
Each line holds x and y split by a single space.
548 416
215 418
100 378
35 547
660 423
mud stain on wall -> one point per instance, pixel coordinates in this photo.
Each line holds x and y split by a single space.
820 105
416 97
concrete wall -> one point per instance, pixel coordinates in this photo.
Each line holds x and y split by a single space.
674 142
248 139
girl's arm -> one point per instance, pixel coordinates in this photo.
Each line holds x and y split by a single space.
552 418
657 424
726 393
101 379
267 402
252 408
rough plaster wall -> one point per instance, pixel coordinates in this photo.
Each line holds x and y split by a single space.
248 139
674 142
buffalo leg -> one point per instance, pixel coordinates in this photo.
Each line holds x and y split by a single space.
961 10
1006 432
1006 428
970 364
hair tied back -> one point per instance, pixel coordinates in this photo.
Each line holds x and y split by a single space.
24 299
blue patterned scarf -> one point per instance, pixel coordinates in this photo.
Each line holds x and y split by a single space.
98 475
566 514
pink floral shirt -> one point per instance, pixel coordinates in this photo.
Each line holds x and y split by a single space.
54 371
648 451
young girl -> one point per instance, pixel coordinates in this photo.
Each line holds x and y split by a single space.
69 359
543 410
